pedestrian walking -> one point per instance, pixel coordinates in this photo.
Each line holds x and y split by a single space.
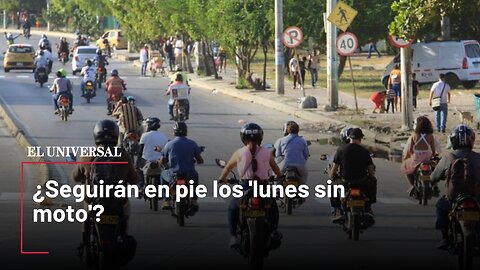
313 63
179 51
144 56
372 46
414 90
303 69
394 83
168 49
294 70
439 100
222 54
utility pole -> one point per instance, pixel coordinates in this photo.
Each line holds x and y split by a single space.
279 60
332 73
406 99
4 19
48 9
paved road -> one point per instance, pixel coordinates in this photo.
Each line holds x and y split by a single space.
403 235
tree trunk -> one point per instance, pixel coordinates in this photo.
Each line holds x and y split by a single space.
265 50
445 23
341 65
208 71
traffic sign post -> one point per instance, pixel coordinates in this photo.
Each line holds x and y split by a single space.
347 44
292 37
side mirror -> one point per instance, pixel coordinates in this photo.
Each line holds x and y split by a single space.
220 163
71 158
309 142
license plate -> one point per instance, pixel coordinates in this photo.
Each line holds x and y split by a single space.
110 220
19 64
255 213
293 183
468 216
424 178
90 88
355 203
41 74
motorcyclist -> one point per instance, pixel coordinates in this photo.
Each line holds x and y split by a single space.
151 144
10 38
44 43
26 28
179 70
130 118
180 154
63 47
61 86
462 140
105 134
48 56
178 91
114 87
253 162
101 62
40 61
356 168
292 151
89 73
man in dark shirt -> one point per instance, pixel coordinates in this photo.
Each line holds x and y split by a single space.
356 167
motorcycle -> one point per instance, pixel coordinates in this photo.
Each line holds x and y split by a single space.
180 110
42 76
101 76
89 88
254 226
423 185
64 57
155 181
26 33
353 211
291 179
63 107
130 143
463 230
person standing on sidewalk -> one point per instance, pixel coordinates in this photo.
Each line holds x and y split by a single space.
441 90
303 69
294 70
414 90
390 100
394 83
168 49
144 55
313 62
179 51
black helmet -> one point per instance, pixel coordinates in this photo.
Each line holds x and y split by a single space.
99 51
179 77
88 62
344 134
105 132
251 132
153 123
114 72
180 129
462 137
295 129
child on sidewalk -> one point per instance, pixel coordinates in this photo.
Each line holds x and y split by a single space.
391 100
378 100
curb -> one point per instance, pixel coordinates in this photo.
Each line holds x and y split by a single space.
23 140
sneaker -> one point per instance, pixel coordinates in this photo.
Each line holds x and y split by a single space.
233 242
443 130
337 218
56 112
166 205
411 191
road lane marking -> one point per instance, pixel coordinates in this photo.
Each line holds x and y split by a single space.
23 76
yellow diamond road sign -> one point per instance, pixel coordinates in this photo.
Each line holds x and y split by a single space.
342 15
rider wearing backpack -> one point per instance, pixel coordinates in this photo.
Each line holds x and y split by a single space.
460 169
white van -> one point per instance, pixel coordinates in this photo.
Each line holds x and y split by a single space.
458 60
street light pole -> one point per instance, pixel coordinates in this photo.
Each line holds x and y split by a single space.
406 82
279 60
332 74
48 9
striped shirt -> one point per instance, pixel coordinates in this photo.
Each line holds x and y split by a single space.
390 94
129 115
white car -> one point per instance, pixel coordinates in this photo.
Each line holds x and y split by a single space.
82 54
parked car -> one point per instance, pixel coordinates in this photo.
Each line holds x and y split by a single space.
19 56
115 39
80 55
458 60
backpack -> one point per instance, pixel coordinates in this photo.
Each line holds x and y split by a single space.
107 173
460 178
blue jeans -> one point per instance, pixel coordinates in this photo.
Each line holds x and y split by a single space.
372 48
82 87
441 117
144 68
314 73
55 100
443 207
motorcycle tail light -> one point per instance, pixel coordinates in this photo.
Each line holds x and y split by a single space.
99 69
255 202
63 100
468 204
181 182
425 167
355 192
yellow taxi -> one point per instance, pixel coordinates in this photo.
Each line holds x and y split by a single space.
115 39
19 56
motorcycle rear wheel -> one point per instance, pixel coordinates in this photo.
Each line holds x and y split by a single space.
465 254
288 206
256 251
154 200
180 209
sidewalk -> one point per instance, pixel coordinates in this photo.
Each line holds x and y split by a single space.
383 131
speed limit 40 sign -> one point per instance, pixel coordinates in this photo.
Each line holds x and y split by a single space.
347 44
